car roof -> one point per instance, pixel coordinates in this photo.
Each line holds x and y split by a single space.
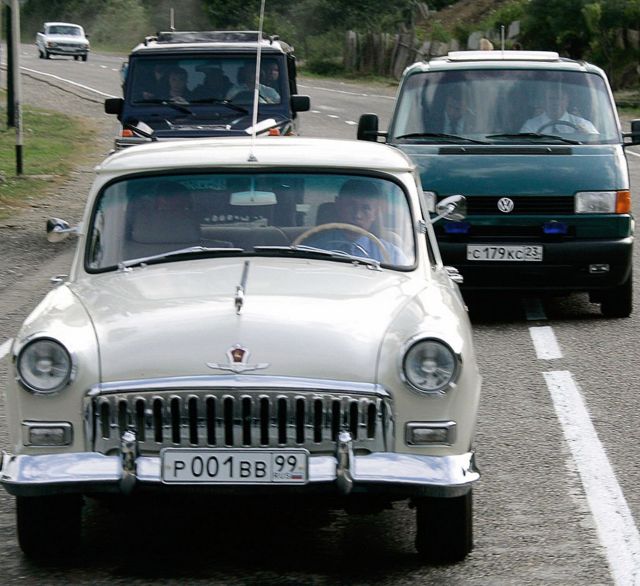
235 152
498 59
208 41
62 24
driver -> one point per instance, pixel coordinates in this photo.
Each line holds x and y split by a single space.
555 118
359 203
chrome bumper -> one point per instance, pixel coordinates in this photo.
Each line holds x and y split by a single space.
392 473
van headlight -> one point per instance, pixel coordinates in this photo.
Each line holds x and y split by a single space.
430 366
595 202
44 366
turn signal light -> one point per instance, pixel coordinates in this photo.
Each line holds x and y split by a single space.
623 202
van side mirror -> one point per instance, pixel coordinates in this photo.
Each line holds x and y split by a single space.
368 127
634 135
300 103
113 106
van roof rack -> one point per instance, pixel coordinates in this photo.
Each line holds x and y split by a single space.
498 55
207 37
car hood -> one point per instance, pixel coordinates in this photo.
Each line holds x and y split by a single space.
302 318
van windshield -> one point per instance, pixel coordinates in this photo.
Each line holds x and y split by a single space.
204 80
502 105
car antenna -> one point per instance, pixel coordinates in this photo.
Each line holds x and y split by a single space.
256 87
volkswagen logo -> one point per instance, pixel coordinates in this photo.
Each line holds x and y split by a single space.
505 205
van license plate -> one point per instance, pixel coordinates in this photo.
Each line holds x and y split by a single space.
510 253
228 466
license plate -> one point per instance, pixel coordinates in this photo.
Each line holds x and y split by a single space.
229 466
504 253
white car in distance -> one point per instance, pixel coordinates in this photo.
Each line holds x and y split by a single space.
248 318
62 38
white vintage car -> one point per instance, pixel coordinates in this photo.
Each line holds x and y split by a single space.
249 317
62 38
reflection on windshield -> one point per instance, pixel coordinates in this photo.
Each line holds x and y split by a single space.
205 80
266 214
504 106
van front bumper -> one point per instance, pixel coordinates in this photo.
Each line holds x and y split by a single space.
581 265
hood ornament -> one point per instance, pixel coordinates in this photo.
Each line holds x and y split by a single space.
238 357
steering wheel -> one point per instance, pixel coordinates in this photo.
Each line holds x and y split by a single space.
350 228
559 123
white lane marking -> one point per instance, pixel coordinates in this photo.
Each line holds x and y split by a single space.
633 153
4 348
545 343
614 521
350 122
332 116
362 94
84 87
533 309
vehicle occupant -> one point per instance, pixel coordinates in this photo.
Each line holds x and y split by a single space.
359 203
555 118
246 83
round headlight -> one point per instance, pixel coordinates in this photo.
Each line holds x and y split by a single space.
429 366
44 366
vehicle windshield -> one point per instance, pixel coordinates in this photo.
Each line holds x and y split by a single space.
270 214
72 31
205 80
504 106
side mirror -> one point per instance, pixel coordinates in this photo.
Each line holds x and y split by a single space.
634 135
452 208
113 106
58 230
300 103
368 127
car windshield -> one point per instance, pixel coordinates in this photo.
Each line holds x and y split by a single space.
270 214
205 80
505 105
72 31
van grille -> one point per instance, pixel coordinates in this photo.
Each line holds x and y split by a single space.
231 418
523 205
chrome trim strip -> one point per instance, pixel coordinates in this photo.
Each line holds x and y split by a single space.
91 472
245 381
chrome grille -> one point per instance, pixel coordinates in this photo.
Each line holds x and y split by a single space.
245 418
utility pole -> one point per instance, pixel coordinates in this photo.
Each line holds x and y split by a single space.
15 43
11 119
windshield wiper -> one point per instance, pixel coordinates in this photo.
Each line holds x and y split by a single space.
312 251
182 253
535 136
226 103
175 105
448 137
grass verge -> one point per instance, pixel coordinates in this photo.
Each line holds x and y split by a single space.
49 153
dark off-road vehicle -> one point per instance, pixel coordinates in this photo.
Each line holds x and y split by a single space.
182 84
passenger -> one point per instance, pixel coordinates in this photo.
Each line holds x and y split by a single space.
215 86
555 119
246 83
178 91
271 74
157 87
458 119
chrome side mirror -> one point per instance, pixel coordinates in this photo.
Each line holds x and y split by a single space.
452 208
58 230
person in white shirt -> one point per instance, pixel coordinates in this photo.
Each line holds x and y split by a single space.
555 119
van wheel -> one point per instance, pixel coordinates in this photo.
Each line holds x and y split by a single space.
444 528
49 525
619 301
84 57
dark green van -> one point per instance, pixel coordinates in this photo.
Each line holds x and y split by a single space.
534 143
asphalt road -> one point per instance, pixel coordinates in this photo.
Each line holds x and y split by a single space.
556 442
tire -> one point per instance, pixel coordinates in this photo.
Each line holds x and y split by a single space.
444 528
76 57
46 54
84 57
619 301
49 526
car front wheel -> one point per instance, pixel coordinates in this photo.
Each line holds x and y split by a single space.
444 528
49 525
